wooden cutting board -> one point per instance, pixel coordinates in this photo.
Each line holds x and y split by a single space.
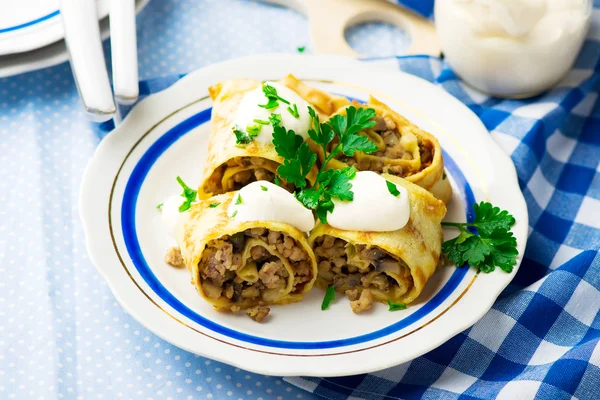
328 19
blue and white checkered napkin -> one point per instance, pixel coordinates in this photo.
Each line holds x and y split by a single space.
542 337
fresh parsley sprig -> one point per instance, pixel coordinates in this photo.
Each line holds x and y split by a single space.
188 194
273 98
333 183
244 137
492 246
298 157
346 129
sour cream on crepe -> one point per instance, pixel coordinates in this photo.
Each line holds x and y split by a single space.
265 201
374 208
249 112
172 218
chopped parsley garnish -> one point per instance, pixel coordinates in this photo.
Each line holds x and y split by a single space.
261 121
239 199
301 49
275 119
188 194
294 111
492 246
392 188
253 130
243 137
396 306
273 98
329 297
263 188
234 214
213 205
159 206
299 158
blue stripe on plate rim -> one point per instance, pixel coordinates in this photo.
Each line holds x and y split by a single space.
128 212
30 23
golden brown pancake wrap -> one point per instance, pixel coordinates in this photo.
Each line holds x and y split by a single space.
405 150
230 167
393 265
237 265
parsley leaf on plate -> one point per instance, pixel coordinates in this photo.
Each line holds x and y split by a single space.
188 193
263 188
396 306
213 205
492 246
329 297
239 199
159 206
301 49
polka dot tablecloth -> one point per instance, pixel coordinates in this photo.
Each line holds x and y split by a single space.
62 333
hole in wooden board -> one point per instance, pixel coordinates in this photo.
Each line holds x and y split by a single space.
377 39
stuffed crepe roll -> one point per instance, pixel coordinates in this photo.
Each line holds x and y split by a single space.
231 165
379 266
237 264
404 150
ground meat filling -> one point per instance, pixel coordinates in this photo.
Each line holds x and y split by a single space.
356 270
173 257
222 258
392 145
255 172
258 313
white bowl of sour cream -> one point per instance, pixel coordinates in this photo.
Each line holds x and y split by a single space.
512 48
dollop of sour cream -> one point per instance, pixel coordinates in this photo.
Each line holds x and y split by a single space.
249 110
172 218
265 201
374 207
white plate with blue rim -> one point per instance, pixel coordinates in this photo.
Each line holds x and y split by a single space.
166 135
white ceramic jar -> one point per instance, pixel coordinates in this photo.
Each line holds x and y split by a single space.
512 48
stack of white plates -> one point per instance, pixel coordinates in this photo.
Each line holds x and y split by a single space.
31 34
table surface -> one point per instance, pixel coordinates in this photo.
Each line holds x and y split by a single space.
62 333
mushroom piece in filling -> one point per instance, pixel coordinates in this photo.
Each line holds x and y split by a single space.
363 273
